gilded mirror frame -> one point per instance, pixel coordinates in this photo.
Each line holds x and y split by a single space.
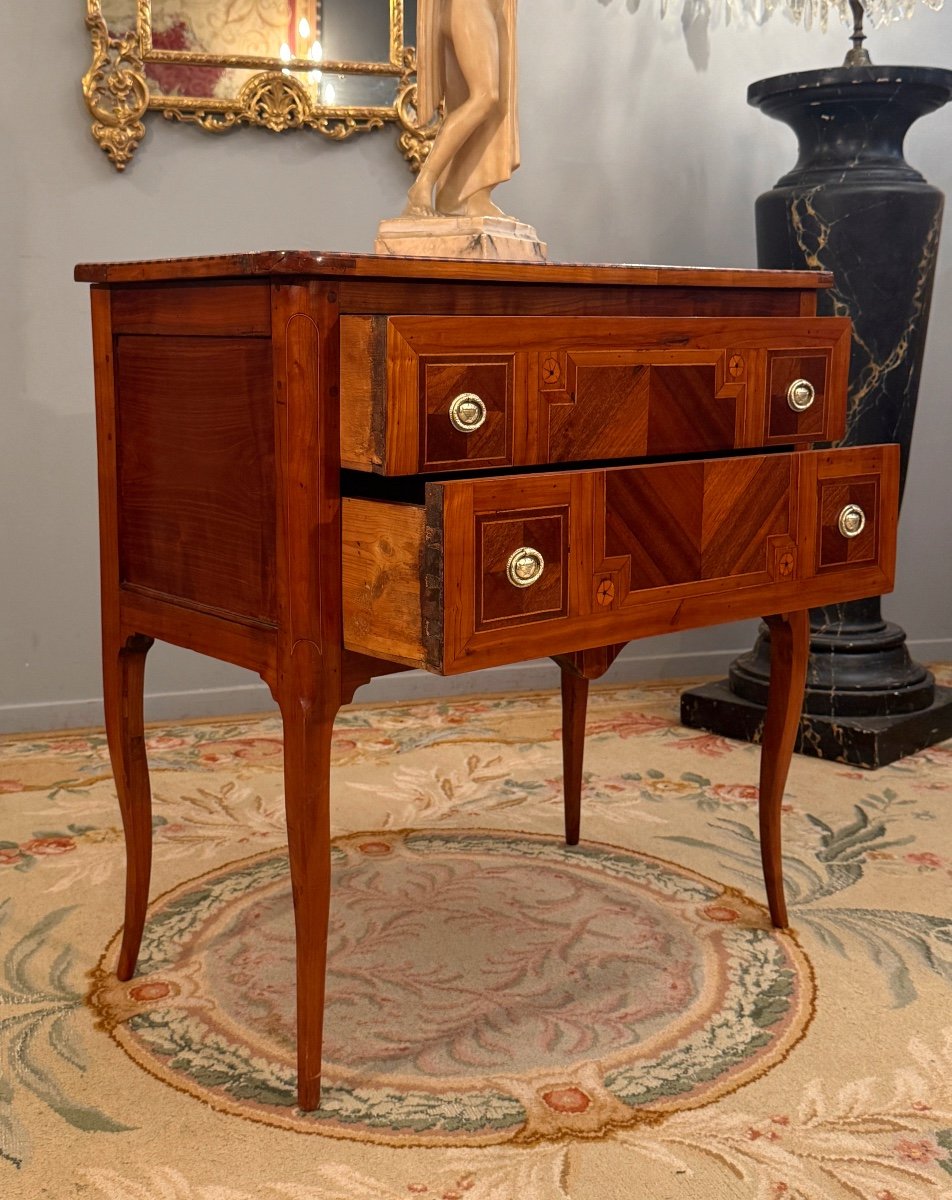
118 92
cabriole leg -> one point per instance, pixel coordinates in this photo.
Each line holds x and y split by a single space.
789 648
123 687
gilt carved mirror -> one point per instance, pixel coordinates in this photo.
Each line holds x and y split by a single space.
339 67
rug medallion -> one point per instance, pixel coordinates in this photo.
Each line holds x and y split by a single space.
484 987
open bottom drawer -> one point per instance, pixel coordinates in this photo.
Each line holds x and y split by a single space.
497 570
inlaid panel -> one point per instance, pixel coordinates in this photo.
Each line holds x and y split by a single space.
441 382
784 421
498 538
834 547
686 522
610 409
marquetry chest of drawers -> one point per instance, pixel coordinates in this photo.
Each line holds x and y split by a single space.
329 467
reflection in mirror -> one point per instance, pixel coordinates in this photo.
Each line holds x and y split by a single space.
336 66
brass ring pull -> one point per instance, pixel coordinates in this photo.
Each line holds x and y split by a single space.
467 412
800 395
525 567
852 521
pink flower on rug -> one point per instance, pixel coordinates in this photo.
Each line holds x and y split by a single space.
375 849
10 785
567 1100
630 725
743 792
10 857
164 741
144 992
925 858
70 746
260 747
664 787
49 846
720 912
925 1150
707 744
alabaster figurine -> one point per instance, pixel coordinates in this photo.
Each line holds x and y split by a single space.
466 59
466 64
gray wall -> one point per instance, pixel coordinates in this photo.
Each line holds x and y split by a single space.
637 146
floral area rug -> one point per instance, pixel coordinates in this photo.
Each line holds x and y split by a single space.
507 1018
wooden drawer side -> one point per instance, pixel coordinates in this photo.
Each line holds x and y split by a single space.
383 578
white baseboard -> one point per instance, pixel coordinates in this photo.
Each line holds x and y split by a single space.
633 664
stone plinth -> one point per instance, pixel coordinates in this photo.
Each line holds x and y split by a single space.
460 237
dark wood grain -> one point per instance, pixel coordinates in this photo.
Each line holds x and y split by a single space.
577 670
574 705
321 265
196 470
789 650
123 655
452 298
233 309
309 676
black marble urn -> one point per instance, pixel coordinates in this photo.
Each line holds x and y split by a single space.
852 205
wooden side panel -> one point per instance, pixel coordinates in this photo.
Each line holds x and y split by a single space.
196 471
382 563
199 309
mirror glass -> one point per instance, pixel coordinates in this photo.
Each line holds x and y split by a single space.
337 67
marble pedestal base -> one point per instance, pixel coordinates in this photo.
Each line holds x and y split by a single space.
502 238
860 741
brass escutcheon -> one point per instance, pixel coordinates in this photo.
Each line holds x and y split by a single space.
852 521
800 395
525 567
467 412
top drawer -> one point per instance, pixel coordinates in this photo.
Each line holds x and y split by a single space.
423 394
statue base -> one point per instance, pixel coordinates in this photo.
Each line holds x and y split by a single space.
502 238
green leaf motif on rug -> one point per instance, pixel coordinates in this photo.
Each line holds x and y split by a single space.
38 1027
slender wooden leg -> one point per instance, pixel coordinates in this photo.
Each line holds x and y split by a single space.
574 705
789 648
307 746
123 686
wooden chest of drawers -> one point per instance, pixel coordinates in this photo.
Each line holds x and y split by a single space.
328 467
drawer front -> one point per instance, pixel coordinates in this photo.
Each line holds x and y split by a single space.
422 394
502 569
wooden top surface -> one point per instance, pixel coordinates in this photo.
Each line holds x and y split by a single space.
370 266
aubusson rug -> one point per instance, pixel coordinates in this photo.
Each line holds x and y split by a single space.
507 1018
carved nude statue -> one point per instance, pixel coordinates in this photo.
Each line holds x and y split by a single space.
466 55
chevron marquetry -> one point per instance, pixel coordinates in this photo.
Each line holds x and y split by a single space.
746 501
582 389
